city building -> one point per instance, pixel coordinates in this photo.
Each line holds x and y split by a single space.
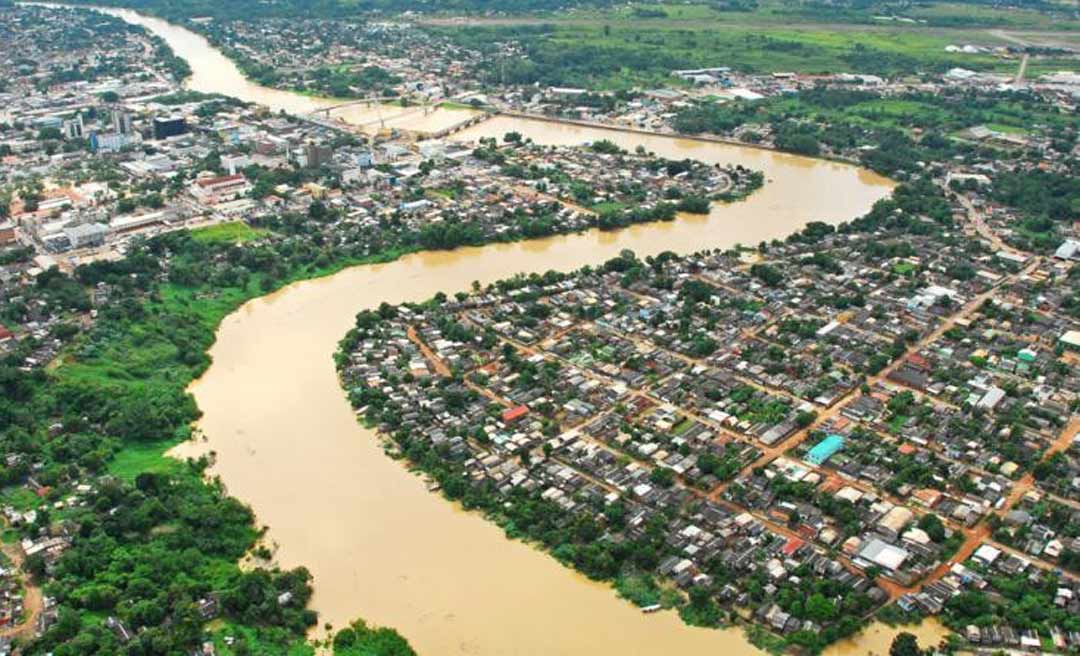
86 235
169 127
121 122
110 142
7 233
213 190
74 128
316 155
825 449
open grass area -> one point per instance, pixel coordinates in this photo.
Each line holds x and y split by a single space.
897 423
625 54
1007 129
158 355
450 104
247 641
19 498
960 14
235 232
953 14
638 44
609 206
682 427
927 112
135 459
948 14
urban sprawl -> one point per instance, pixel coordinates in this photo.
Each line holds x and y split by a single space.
870 420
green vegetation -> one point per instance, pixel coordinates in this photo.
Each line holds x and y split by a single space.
1026 14
642 590
154 538
898 136
702 609
20 498
235 232
905 644
1046 199
358 639
947 14
622 55
135 459
1022 602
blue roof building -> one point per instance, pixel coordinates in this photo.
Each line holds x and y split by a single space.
825 449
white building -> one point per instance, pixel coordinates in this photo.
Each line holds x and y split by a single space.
214 190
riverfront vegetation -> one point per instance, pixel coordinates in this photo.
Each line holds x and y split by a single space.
156 542
579 482
116 400
626 55
595 538
599 46
898 136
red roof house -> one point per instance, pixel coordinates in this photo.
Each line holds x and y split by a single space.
510 415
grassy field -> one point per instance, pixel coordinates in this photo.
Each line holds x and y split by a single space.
144 355
639 44
235 232
19 498
252 644
778 12
135 459
450 104
927 112
624 54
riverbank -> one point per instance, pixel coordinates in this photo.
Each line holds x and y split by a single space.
287 443
498 467
277 424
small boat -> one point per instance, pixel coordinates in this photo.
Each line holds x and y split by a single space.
651 608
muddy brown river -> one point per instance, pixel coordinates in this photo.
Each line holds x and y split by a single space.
378 544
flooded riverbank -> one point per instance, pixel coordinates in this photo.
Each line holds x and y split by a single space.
379 545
